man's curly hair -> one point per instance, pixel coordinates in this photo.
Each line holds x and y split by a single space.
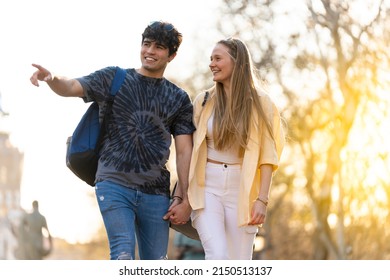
165 34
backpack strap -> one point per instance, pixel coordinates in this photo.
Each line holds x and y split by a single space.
120 75
206 96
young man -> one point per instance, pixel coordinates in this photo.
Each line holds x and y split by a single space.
132 181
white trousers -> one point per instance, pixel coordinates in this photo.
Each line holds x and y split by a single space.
216 223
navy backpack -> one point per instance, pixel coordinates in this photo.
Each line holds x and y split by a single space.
82 153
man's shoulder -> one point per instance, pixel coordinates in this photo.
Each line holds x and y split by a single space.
105 73
174 86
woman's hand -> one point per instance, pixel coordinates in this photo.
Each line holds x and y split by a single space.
258 213
179 212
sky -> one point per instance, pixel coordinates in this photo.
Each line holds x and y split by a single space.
74 38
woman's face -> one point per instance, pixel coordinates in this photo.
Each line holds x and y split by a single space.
221 64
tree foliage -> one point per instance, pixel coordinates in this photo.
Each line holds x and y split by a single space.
325 63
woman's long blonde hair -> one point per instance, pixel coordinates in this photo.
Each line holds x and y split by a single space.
234 114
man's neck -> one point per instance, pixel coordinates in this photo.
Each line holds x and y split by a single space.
151 74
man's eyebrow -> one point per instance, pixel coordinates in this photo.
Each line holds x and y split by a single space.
148 40
161 44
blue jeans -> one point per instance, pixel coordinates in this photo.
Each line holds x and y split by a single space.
129 214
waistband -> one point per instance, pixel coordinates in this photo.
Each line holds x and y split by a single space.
223 164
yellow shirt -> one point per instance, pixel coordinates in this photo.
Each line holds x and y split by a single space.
261 149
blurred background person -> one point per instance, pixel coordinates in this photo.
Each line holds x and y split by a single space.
187 248
35 231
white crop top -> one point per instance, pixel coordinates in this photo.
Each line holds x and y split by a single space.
230 156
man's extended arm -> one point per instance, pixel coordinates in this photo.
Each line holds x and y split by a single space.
60 85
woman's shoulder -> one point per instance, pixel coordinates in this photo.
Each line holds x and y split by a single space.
264 97
202 97
266 101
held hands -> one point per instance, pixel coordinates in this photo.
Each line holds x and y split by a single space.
42 74
179 212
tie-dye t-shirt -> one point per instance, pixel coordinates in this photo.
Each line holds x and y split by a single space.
145 114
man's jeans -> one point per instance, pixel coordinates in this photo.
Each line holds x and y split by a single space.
128 214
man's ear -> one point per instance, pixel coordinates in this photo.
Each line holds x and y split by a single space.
172 56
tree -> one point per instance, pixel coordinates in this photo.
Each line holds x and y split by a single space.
325 61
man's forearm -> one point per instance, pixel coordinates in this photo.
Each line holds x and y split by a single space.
65 87
183 166
183 159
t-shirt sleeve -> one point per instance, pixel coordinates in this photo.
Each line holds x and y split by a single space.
183 123
96 85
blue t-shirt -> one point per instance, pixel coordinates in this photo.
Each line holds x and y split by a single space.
145 114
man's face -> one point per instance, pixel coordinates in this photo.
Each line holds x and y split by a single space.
154 58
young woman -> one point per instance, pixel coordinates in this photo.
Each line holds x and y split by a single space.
237 147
